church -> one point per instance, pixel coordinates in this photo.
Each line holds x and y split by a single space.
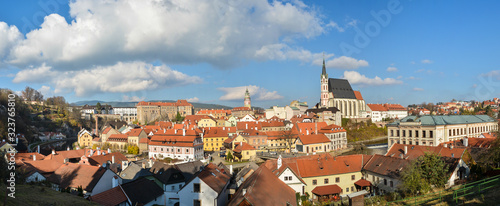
338 93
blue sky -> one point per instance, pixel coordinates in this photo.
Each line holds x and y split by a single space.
392 51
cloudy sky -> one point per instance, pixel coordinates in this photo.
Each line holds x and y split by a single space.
211 51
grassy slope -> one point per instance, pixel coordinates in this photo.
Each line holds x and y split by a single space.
38 195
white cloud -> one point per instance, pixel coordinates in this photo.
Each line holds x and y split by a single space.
121 77
418 89
221 33
392 69
194 99
126 98
46 91
344 62
426 61
256 92
357 78
9 36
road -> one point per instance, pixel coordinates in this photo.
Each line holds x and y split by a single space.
30 149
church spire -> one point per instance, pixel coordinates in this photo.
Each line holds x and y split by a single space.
324 67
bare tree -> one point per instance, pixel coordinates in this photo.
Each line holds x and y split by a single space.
30 94
289 137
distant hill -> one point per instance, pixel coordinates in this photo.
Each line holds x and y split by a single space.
132 104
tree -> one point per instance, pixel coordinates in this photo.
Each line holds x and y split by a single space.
30 94
289 138
98 107
133 149
178 117
492 155
426 171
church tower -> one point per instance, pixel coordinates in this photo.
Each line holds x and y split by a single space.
247 99
324 86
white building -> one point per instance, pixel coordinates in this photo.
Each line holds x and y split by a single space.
128 114
379 112
286 112
209 187
434 130
177 144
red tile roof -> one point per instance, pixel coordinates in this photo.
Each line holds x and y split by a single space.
327 190
214 177
214 111
331 129
264 188
245 147
386 165
75 175
134 132
44 166
313 139
97 160
106 130
248 125
118 138
178 103
304 127
363 183
111 197
415 151
377 107
358 95
215 132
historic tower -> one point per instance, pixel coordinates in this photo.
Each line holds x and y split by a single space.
324 86
247 99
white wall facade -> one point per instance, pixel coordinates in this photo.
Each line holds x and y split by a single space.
176 152
294 183
105 183
207 195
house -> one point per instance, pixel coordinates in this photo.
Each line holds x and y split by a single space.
320 170
337 136
93 180
143 145
130 171
135 135
457 158
384 172
244 151
5 147
281 140
139 192
313 143
38 170
254 137
177 144
108 131
263 188
208 187
114 157
170 179
214 137
84 138
207 121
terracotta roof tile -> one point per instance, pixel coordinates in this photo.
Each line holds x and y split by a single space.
111 197
358 95
313 139
214 177
327 190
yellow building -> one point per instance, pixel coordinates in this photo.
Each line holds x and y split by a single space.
207 121
313 143
214 137
317 171
84 138
244 151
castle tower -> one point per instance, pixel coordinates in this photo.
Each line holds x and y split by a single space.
324 86
247 99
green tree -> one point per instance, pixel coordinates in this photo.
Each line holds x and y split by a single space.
426 171
98 107
178 117
133 149
492 156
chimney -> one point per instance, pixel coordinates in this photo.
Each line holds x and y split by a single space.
91 153
307 132
279 162
34 157
246 127
244 191
315 128
231 169
175 131
445 145
114 181
183 132
113 159
150 163
53 152
109 150
98 152
67 148
66 160
143 165
466 141
405 150
223 128
451 146
38 148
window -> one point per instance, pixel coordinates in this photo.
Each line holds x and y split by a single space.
409 133
196 187
397 133
187 150
347 189
337 179
391 183
286 178
385 181
392 133
289 177
416 133
196 202
352 188
173 188
178 150
404 133
326 180
430 134
353 177
315 182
